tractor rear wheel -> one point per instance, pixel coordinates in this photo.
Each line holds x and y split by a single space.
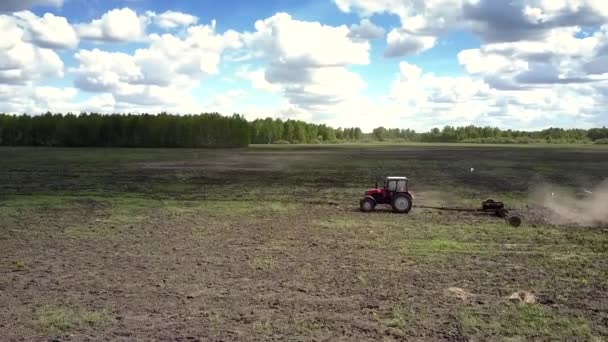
367 205
402 203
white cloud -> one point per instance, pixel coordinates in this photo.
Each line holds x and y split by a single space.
559 58
171 19
115 25
499 21
258 80
401 43
431 94
323 88
161 75
105 71
304 43
366 30
534 67
21 61
48 31
469 100
369 7
37 100
101 103
18 5
423 22
308 60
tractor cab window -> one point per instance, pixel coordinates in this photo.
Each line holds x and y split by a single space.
401 186
392 185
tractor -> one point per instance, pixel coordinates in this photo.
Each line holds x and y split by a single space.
394 192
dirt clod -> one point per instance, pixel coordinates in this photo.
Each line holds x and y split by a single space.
459 293
522 297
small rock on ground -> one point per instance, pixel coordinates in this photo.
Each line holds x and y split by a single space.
522 297
459 293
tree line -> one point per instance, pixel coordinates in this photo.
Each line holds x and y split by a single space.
277 131
493 135
214 130
119 130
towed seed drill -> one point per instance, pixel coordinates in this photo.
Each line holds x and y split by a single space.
395 192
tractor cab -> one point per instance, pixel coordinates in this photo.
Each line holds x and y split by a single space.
395 184
394 192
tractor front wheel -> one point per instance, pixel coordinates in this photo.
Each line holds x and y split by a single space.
402 203
367 204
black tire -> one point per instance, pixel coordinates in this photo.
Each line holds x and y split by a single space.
367 205
402 203
515 221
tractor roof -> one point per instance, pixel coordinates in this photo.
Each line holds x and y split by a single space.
396 178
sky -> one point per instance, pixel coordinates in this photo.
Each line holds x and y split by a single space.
519 64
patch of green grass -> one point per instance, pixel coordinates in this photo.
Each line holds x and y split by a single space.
177 187
308 327
397 318
243 209
442 246
64 319
89 231
15 206
119 215
19 264
524 321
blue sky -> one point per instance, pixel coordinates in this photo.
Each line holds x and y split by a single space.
524 64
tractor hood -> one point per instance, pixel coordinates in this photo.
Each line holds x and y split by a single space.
372 191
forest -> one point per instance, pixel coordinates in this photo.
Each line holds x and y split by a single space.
214 130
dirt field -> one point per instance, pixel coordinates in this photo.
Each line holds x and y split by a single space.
268 244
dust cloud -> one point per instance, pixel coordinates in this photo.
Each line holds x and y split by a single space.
587 207
437 198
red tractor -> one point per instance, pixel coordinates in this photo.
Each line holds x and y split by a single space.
394 192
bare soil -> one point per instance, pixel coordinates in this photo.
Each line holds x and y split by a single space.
170 249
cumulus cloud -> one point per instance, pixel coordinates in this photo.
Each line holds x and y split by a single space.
22 61
48 31
308 60
324 87
426 91
402 43
258 81
423 22
161 75
18 5
115 25
369 7
305 43
561 57
41 99
366 30
530 20
539 62
171 19
472 100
